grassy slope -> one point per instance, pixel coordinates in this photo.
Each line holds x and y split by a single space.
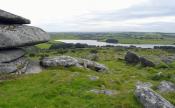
64 88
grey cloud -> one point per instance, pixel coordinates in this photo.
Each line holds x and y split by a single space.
152 8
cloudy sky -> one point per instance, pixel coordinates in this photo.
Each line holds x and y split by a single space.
96 15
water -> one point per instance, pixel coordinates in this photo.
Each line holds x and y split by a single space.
97 43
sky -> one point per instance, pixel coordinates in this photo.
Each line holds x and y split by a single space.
96 15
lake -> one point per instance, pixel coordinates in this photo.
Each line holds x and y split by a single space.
98 43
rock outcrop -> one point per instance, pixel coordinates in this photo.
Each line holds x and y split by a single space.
67 61
166 86
132 58
14 35
150 99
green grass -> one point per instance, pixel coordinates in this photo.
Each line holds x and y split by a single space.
44 45
64 88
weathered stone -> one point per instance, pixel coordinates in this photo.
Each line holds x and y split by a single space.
93 78
65 61
150 99
146 63
9 18
168 59
105 92
131 58
33 67
92 65
21 35
7 56
14 66
8 68
68 61
146 84
166 86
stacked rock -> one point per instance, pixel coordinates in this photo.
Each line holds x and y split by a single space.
13 36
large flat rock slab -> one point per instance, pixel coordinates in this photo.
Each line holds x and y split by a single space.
9 18
7 56
21 35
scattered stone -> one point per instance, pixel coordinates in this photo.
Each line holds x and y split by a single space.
9 18
92 65
105 92
21 35
67 61
146 84
75 74
146 63
93 78
167 59
150 99
166 86
132 58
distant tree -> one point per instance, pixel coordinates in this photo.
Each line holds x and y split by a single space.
68 45
112 41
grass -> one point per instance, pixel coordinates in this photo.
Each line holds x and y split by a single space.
44 45
68 87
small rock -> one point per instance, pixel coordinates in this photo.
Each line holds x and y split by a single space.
93 78
105 92
75 74
146 63
166 86
141 84
131 58
168 59
92 65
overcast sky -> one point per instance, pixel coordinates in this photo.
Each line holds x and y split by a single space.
96 15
